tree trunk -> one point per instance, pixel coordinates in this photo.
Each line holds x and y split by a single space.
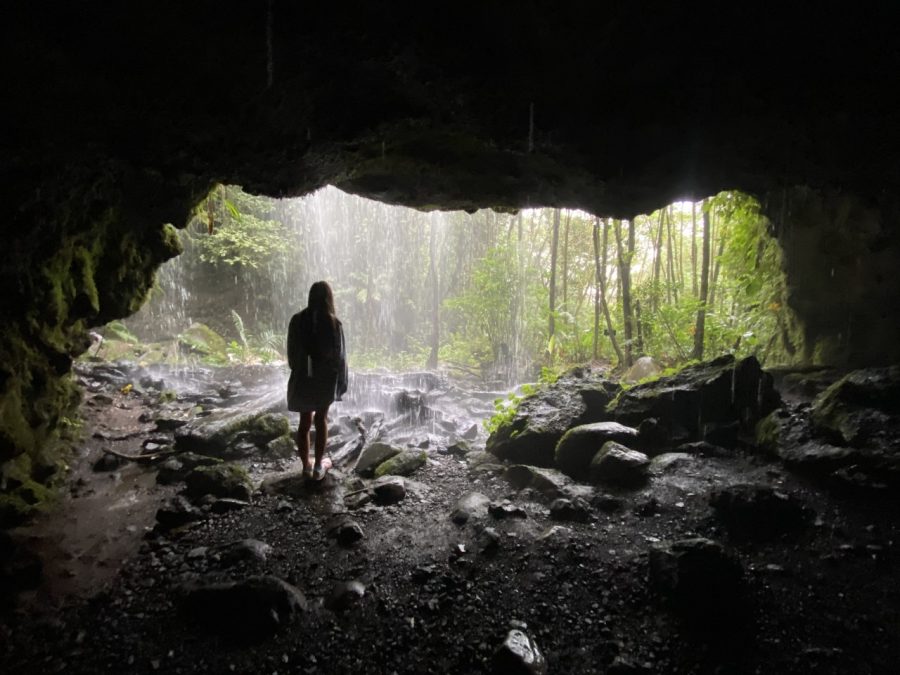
694 249
602 278
595 237
717 264
671 257
565 265
640 327
624 257
554 246
704 289
654 301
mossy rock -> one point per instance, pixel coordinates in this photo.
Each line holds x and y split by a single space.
374 455
24 502
219 480
283 447
201 339
579 445
116 330
402 464
217 434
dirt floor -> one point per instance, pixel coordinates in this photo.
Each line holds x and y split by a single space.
440 597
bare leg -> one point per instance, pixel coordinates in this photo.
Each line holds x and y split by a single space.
321 423
303 438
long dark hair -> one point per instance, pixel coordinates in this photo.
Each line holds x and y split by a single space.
320 306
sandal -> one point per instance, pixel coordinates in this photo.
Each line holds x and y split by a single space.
318 472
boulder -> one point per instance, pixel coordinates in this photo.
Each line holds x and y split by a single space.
541 419
243 550
644 368
670 462
702 397
402 464
549 482
701 581
344 595
862 408
618 465
758 511
177 512
227 433
575 510
201 339
470 505
174 469
389 490
283 447
518 655
579 445
219 480
373 455
252 608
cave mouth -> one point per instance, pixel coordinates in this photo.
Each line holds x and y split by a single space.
490 295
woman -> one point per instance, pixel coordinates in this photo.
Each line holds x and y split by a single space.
318 360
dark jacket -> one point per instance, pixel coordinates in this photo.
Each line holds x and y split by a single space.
317 356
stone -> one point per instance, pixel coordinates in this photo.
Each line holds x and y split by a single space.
518 655
226 433
283 447
859 408
759 511
345 595
170 471
579 445
346 531
219 480
607 503
671 462
402 464
252 608
644 368
374 454
549 482
573 510
488 540
723 390
288 484
701 581
243 550
618 465
541 419
388 490
459 449
505 510
176 512
651 436
702 449
471 433
470 505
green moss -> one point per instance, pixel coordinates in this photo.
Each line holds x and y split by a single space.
167 396
204 340
117 330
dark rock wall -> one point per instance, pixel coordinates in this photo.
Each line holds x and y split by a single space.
119 116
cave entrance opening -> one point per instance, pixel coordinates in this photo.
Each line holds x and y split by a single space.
492 299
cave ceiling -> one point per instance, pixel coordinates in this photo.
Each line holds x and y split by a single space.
613 107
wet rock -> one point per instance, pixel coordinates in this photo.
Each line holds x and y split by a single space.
471 433
176 512
228 505
345 595
759 511
518 655
108 462
283 447
402 464
642 369
549 482
459 449
219 480
579 445
505 510
555 534
175 469
346 530
577 397
671 462
251 608
170 420
618 465
488 540
243 550
225 433
572 510
701 581
373 455
703 449
723 390
861 408
289 484
652 436
471 505
389 490
722 434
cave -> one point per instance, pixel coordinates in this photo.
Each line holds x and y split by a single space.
122 117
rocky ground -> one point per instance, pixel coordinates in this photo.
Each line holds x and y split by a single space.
719 560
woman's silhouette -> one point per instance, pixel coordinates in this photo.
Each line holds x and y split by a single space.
318 360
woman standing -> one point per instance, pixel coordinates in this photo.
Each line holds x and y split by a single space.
317 357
